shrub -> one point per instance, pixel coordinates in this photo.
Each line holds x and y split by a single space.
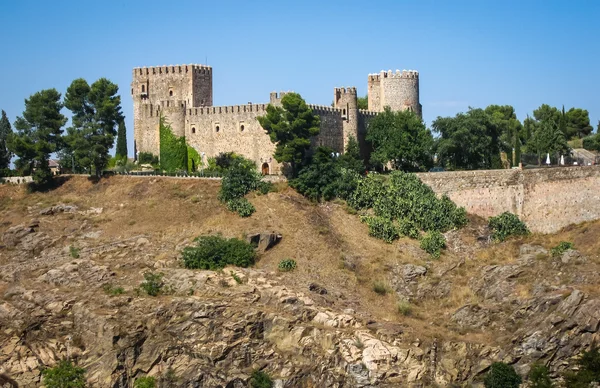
260 379
216 252
74 252
506 225
113 291
561 248
589 369
145 382
241 206
265 187
539 377
237 279
147 158
380 288
404 308
287 265
152 284
381 228
64 375
502 375
433 243
239 179
408 228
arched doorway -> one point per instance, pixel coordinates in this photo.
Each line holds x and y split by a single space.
265 168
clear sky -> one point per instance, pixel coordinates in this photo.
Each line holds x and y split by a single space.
468 53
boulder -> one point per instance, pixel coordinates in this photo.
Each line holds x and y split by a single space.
264 241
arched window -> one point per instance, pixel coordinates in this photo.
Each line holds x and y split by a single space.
242 127
265 169
217 128
193 129
170 93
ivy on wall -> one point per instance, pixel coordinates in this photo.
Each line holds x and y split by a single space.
194 161
173 149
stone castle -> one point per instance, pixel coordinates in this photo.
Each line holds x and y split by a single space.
183 95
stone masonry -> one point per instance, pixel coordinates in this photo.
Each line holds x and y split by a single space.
182 94
546 199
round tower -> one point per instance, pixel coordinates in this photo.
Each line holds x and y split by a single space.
399 91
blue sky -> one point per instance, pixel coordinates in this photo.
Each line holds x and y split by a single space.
468 53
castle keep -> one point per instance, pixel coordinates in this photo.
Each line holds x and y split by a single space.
182 94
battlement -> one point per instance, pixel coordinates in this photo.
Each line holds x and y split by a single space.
171 69
323 109
349 90
369 113
405 74
226 109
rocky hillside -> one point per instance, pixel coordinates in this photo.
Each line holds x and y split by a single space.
356 312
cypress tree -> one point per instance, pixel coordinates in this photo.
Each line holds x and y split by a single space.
121 151
5 132
517 150
562 124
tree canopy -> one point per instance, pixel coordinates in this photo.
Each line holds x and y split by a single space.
96 113
363 102
121 151
400 138
471 140
290 128
38 134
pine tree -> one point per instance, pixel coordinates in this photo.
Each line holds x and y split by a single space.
121 151
5 132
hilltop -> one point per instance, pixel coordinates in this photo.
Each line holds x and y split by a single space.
323 324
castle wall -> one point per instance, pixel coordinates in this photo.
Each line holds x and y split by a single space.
399 91
546 199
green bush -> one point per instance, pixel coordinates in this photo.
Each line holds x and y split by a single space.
173 150
64 375
539 376
241 206
404 308
381 228
433 243
506 225
239 179
147 158
561 248
502 375
260 379
152 284
265 187
589 369
74 252
287 265
592 142
408 228
145 382
112 290
216 252
380 288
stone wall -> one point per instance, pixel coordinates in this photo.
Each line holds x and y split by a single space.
399 91
547 199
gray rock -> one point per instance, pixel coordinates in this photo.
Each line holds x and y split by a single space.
572 256
264 241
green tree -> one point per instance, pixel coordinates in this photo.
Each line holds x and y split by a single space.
5 133
291 127
468 141
260 379
64 375
351 159
539 376
121 151
38 134
562 123
145 382
528 128
589 369
502 375
96 113
548 138
578 123
547 113
363 102
400 138
504 119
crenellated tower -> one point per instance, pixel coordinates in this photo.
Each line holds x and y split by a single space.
166 91
345 99
399 91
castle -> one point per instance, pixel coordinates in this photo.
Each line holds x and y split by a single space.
183 95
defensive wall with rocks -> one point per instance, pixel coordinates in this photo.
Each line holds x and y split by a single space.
182 95
546 199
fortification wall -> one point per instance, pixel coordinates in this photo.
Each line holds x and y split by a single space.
219 129
399 91
546 199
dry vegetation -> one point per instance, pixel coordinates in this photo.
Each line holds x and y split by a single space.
322 238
